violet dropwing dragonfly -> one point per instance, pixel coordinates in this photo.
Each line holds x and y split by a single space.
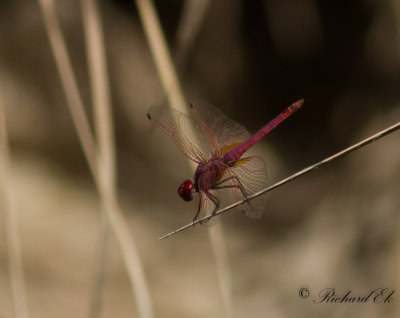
216 144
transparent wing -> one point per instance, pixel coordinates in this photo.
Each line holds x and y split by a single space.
252 173
218 128
247 177
206 207
183 130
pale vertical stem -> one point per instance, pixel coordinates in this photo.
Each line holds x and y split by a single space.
69 84
18 290
129 252
193 14
100 90
223 267
161 54
104 184
174 93
100 93
100 278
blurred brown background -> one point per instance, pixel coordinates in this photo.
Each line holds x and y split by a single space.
336 227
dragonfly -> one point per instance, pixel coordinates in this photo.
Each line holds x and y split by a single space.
217 144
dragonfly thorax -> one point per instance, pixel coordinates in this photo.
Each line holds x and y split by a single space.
208 173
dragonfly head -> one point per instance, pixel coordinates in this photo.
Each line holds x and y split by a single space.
186 190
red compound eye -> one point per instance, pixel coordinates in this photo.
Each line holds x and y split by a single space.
186 190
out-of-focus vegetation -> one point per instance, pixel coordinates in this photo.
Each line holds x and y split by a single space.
337 227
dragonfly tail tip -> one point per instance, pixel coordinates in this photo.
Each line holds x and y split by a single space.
299 103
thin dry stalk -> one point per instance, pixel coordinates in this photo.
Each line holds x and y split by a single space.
100 89
69 83
101 273
223 267
100 92
17 280
161 55
339 154
104 180
193 14
175 96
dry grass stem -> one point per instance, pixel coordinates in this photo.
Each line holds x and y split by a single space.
69 83
352 148
175 96
104 134
100 90
18 290
98 286
160 53
193 14
104 179
223 267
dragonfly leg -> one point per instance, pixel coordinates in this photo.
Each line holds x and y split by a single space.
239 185
213 199
198 209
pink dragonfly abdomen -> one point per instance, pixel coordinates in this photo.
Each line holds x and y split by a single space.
237 152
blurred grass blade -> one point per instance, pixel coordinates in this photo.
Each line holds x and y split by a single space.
161 55
175 96
101 274
18 290
103 120
103 179
100 89
68 80
192 18
223 266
